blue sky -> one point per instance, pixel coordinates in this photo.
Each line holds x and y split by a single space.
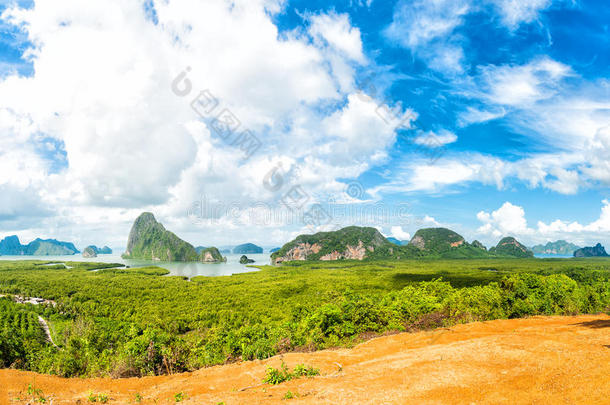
504 105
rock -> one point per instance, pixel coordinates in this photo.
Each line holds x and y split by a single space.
595 251
89 251
244 260
211 255
149 240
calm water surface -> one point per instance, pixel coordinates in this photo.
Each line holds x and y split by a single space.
232 266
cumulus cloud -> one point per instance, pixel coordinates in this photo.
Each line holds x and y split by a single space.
101 94
399 233
510 219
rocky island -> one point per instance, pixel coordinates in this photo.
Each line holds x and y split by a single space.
89 251
245 260
247 248
149 240
38 247
595 251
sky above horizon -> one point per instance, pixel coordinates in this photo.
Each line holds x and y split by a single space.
258 120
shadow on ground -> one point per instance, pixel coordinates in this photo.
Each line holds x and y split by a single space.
597 324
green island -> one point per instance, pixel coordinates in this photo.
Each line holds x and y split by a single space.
125 322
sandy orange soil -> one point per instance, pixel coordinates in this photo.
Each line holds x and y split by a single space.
539 360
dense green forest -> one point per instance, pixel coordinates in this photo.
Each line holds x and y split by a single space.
132 322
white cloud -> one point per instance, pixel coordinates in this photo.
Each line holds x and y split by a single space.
338 33
426 28
521 85
418 174
475 116
429 28
432 139
418 23
101 89
516 12
597 154
399 233
509 220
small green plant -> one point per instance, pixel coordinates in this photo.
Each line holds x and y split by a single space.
179 397
138 397
276 376
36 394
300 370
290 395
99 397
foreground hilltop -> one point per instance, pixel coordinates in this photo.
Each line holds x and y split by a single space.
359 243
464 364
149 240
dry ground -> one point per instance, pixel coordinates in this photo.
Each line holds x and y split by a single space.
540 360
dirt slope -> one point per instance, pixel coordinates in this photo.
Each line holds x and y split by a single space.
540 360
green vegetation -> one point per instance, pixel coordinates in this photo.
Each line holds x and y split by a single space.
20 335
134 322
179 397
276 376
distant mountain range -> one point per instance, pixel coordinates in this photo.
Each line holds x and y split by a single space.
395 241
560 247
38 247
367 243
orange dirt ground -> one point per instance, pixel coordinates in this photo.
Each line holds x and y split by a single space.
539 360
